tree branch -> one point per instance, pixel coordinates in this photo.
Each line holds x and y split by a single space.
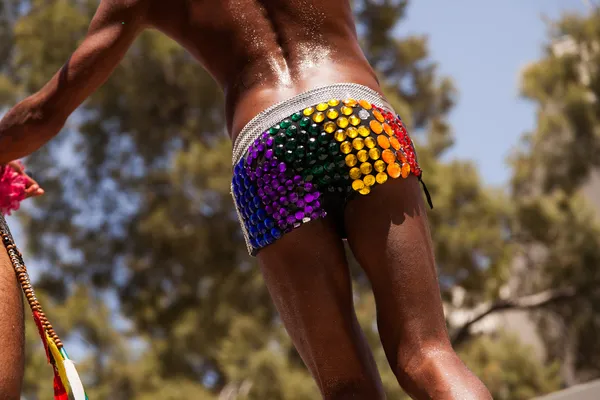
537 300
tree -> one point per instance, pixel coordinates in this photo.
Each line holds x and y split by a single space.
145 222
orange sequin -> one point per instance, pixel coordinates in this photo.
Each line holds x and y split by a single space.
350 102
388 156
405 170
376 126
388 129
365 104
395 143
394 170
383 142
378 116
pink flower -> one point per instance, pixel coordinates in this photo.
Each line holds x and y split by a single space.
12 189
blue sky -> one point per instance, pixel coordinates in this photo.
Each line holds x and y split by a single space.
482 46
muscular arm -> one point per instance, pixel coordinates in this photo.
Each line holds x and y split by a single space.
38 118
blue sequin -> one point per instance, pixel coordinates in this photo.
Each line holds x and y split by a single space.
262 214
257 202
269 222
276 233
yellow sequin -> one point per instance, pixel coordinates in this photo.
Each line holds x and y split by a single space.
375 154
350 102
308 111
366 168
354 120
394 170
388 129
363 131
352 132
358 143
322 106
346 110
358 184
365 190
378 116
332 113
388 156
351 160
346 147
362 156
381 177
380 165
370 142
333 102
318 117
365 104
342 122
329 127
376 126
405 170
369 180
394 142
355 173
340 135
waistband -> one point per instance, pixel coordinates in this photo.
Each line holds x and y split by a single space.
274 114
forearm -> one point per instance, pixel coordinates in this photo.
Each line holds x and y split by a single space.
25 128
11 331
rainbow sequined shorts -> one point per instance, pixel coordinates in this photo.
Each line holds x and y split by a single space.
304 158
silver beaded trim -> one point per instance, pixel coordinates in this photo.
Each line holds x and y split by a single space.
4 227
274 114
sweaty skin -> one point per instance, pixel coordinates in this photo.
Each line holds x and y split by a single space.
260 53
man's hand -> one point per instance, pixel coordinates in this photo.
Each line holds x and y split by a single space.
32 189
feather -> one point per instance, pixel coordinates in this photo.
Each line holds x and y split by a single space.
74 381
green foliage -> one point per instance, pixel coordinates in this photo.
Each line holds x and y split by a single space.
138 215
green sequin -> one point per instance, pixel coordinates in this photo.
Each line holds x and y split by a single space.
329 167
334 148
291 131
296 117
289 156
314 129
291 143
300 152
324 138
279 150
313 144
274 130
285 123
322 154
318 170
304 122
311 158
280 138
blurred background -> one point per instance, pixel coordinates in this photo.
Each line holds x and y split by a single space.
136 251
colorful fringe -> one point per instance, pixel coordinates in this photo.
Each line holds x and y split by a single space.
12 189
67 384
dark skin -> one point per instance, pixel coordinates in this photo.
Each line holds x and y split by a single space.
268 51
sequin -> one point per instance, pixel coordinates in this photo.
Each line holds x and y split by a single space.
363 114
354 120
296 117
370 142
405 170
379 165
388 156
375 126
362 155
363 131
365 104
369 180
394 170
358 185
388 129
329 127
318 117
352 132
285 123
332 113
366 168
304 122
350 102
355 173
340 135
378 116
358 143
342 122
381 177
395 143
322 106
375 154
383 142
351 160
333 102
346 110
346 147
364 191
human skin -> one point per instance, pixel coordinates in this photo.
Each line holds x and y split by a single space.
264 52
